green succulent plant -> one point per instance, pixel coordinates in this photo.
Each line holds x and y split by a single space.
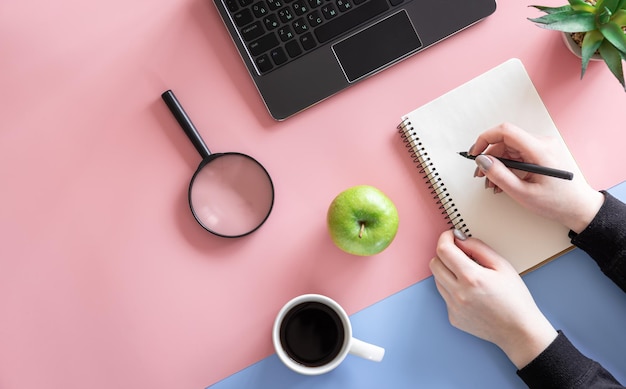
603 23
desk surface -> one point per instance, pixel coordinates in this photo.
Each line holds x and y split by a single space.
423 350
106 278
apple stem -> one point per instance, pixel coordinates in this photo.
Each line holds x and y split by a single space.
361 230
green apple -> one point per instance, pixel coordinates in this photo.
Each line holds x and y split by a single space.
362 220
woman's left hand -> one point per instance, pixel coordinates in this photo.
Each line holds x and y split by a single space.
487 298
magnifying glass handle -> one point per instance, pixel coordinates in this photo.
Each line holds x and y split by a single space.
185 122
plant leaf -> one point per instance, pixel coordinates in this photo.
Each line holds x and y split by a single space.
619 17
551 10
567 22
603 17
557 17
613 59
581 5
591 43
612 5
614 34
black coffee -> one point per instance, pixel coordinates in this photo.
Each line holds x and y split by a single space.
312 334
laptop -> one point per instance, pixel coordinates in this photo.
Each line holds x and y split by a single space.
300 52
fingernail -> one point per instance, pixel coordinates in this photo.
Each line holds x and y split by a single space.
484 162
471 149
460 235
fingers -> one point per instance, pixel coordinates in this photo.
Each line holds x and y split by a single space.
501 177
507 140
482 254
459 259
450 257
439 273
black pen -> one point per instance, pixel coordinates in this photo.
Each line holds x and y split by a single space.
528 167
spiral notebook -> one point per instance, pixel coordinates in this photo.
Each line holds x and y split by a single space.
437 131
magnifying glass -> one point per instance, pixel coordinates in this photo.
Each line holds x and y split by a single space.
230 194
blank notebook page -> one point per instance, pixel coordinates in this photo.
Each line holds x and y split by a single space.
452 122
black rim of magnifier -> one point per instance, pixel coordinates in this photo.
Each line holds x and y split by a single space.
231 154
194 136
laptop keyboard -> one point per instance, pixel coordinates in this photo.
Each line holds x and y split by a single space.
279 31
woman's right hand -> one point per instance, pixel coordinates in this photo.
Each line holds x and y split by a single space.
572 203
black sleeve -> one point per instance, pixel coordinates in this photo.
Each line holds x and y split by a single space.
561 366
605 240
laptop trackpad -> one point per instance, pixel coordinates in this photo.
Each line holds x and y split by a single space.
376 46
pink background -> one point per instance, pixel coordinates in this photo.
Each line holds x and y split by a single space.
106 280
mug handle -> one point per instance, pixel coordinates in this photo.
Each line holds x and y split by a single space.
366 350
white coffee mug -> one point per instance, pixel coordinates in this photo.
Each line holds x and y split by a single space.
312 335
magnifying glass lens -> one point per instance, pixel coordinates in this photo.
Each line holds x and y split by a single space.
231 195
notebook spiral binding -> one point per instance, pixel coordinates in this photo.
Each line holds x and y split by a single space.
438 188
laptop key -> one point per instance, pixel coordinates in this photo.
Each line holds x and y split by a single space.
293 48
263 44
348 21
285 33
314 19
274 4
243 17
285 15
252 31
299 7
308 42
278 56
329 11
263 63
344 5
271 22
300 26
232 5
259 9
